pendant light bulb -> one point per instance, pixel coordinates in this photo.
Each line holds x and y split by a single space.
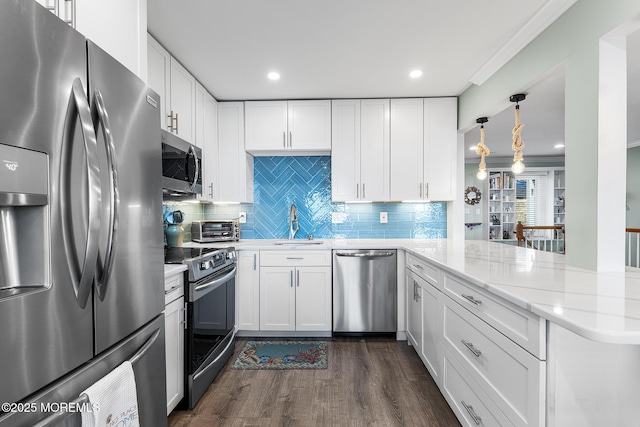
517 167
482 174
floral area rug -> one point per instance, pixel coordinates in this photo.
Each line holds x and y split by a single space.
282 355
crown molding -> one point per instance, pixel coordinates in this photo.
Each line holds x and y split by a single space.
529 31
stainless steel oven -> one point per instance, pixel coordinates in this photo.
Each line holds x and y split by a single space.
210 294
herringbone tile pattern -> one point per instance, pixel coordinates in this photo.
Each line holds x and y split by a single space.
282 181
306 182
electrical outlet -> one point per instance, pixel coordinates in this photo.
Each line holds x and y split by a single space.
384 218
242 217
337 217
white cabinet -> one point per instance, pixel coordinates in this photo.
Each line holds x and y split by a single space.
235 166
510 376
295 291
288 127
440 148
177 90
159 75
182 109
200 95
423 149
360 150
209 138
174 320
486 355
248 296
424 319
96 20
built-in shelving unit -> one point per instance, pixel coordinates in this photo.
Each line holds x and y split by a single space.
502 205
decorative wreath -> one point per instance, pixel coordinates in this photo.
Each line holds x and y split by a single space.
472 195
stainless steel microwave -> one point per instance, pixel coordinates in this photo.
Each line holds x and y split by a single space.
181 166
214 231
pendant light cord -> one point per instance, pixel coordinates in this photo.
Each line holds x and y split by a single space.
482 150
517 145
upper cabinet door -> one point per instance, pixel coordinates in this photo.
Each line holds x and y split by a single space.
159 76
210 184
183 102
345 150
285 128
200 95
407 116
375 150
440 148
309 126
265 126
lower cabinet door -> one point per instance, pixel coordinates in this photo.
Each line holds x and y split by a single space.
277 299
431 328
174 352
414 312
313 298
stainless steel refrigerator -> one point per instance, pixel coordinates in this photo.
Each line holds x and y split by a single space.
81 250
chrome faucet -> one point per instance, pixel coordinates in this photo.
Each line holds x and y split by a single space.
293 217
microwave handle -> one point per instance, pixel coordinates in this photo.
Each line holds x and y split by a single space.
192 153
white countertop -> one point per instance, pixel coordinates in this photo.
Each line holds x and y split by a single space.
171 269
603 307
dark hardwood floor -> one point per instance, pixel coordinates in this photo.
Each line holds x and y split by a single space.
369 382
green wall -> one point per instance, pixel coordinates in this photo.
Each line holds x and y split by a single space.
573 43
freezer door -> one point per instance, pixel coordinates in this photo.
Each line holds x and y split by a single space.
129 289
45 312
146 347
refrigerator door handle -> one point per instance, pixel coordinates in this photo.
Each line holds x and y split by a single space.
102 118
79 107
57 417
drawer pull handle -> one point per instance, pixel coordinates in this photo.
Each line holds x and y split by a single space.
471 348
418 266
293 257
471 299
471 412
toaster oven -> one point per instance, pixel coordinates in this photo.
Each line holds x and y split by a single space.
214 231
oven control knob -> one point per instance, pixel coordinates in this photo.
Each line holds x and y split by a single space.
205 265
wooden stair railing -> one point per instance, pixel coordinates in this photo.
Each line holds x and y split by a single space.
522 238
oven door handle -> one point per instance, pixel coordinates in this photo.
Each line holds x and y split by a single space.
213 362
217 281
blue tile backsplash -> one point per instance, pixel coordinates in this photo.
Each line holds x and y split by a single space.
306 182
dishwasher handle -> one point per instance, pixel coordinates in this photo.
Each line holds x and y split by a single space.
366 254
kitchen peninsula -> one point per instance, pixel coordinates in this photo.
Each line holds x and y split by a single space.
571 336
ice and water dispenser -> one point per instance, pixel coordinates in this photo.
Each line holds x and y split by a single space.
24 220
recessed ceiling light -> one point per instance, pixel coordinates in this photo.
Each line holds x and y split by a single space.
559 145
415 74
273 76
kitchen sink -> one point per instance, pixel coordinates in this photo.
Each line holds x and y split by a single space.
298 242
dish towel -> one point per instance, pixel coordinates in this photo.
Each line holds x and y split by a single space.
113 400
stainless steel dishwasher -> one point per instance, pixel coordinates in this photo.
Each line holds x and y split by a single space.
364 291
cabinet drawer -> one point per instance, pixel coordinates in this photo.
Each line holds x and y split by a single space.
424 270
307 258
470 404
173 281
525 328
509 375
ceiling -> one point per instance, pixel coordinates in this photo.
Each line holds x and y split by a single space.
345 48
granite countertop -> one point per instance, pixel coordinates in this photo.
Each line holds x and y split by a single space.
603 307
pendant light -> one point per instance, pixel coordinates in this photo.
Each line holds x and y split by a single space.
518 145
482 150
